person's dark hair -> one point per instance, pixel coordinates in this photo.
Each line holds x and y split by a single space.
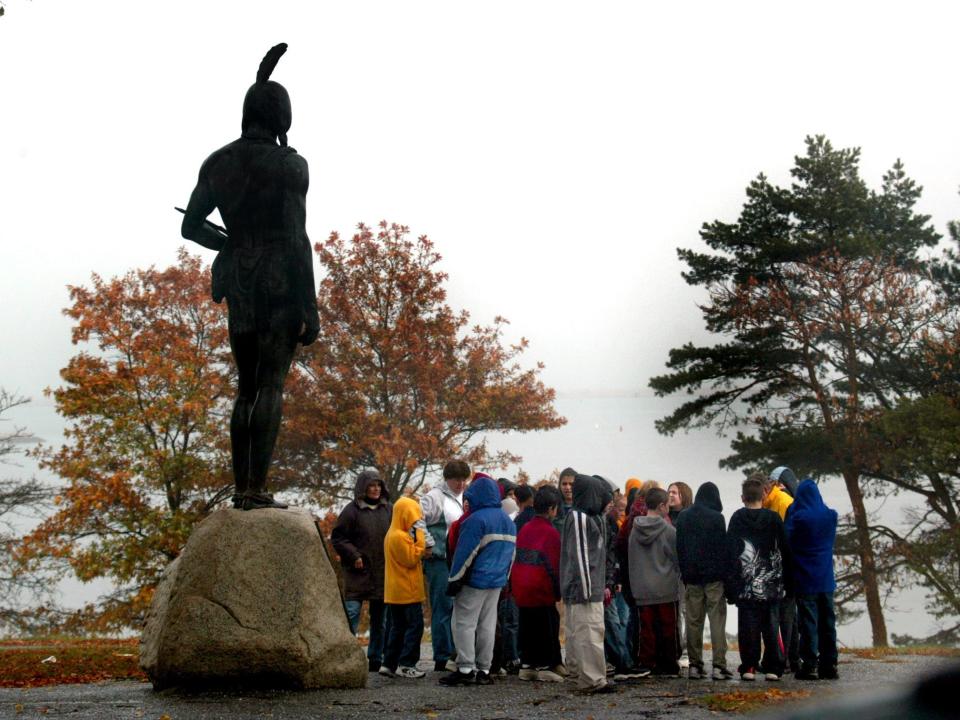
752 489
523 493
506 487
546 497
655 497
456 470
566 472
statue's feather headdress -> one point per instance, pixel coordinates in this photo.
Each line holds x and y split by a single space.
267 103
270 61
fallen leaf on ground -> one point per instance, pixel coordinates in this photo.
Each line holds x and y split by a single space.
878 653
30 663
747 700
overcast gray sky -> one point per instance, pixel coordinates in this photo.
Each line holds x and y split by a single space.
557 153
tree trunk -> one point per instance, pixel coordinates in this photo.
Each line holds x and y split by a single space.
868 566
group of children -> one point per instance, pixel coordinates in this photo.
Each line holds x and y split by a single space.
634 574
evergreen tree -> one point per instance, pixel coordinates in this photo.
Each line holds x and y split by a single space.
814 291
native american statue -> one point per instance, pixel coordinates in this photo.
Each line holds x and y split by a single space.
263 268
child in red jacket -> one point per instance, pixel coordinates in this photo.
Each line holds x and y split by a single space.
535 582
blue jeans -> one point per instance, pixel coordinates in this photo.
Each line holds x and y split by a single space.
509 616
379 625
615 636
818 631
406 632
441 609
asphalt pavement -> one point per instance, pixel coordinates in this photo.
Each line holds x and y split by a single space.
425 698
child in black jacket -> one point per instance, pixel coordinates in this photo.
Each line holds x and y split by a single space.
760 559
704 566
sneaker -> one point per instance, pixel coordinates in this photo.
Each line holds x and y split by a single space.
695 673
548 676
529 673
450 665
440 666
639 671
386 672
411 673
684 661
610 669
373 665
605 689
806 674
459 678
772 677
513 667
484 678
561 670
748 675
829 673
721 673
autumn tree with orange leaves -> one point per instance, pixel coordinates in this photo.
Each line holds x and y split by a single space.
146 453
398 380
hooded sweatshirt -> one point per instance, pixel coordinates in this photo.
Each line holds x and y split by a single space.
760 558
702 539
778 500
403 550
811 529
359 533
487 539
654 574
583 556
622 541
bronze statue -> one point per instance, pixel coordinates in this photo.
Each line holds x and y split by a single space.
264 269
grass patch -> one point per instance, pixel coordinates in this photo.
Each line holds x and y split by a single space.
879 653
28 663
743 701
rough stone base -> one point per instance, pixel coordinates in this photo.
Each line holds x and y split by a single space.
252 599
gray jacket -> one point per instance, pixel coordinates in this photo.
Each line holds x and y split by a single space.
583 543
654 570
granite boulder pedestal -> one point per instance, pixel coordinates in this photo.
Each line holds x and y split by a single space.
252 600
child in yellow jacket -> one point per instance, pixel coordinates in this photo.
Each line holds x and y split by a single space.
403 592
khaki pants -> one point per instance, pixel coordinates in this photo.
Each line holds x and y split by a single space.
584 644
706 600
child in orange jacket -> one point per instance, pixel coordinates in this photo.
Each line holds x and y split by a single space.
403 592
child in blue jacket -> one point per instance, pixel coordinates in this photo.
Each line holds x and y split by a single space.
811 530
479 570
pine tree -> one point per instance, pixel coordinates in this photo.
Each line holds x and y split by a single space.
813 290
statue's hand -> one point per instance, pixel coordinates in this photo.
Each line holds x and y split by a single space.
308 333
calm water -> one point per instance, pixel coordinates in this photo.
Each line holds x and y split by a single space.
609 436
